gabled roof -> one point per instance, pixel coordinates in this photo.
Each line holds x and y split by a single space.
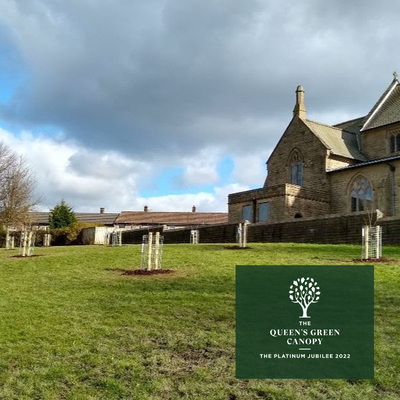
42 218
339 141
171 218
386 109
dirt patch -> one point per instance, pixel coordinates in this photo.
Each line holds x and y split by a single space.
145 272
33 255
236 248
377 260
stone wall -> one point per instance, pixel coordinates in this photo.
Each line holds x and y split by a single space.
330 230
285 202
335 162
298 136
379 175
375 143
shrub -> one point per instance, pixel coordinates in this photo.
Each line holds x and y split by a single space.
61 216
69 235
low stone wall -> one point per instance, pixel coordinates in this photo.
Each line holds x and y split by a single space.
328 230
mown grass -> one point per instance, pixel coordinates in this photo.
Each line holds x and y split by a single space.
73 327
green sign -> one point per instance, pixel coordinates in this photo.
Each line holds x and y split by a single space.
311 322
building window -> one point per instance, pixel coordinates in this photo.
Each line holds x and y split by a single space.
247 213
392 143
263 212
361 195
296 169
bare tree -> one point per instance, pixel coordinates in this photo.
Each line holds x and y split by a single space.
304 291
17 196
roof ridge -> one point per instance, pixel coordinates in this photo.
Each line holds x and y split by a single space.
379 103
350 120
175 212
320 123
331 126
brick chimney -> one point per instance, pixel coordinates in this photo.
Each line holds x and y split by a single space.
145 208
300 107
102 209
193 208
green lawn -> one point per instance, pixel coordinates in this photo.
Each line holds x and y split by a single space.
73 327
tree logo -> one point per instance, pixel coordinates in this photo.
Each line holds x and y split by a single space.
305 292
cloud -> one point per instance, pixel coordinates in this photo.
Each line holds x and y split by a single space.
205 202
148 78
250 169
201 169
129 90
90 180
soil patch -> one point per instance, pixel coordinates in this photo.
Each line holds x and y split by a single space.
145 272
33 255
236 248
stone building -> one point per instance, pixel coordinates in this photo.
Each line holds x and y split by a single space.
318 170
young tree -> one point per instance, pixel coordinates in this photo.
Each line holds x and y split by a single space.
304 291
61 216
17 196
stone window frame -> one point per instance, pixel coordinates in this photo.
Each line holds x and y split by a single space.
295 167
394 141
360 193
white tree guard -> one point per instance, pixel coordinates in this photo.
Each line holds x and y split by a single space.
152 251
371 242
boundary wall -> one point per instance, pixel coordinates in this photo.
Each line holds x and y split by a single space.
324 230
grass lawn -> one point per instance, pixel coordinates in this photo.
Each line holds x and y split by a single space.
73 327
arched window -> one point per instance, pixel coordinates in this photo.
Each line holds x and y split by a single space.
361 195
296 168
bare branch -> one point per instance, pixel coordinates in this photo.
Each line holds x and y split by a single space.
17 186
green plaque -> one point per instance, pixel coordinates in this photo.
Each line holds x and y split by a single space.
305 322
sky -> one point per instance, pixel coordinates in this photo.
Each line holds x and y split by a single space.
174 103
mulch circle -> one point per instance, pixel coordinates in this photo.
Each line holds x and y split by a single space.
376 260
236 248
145 272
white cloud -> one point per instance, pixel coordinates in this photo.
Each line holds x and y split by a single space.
201 168
250 169
205 202
88 180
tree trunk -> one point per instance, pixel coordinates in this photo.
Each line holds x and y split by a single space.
304 312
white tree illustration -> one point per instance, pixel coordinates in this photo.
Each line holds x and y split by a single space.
305 292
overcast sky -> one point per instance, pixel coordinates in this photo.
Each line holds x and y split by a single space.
170 103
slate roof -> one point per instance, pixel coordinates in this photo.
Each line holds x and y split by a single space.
386 109
171 218
353 126
339 141
42 218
